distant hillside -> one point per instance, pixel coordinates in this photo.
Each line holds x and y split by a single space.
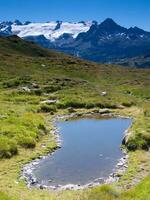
139 61
15 45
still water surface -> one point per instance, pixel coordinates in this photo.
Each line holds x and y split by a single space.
90 149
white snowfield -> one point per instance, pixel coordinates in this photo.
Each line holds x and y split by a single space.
50 30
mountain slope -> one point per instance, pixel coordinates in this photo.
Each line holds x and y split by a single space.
139 61
106 42
109 42
15 45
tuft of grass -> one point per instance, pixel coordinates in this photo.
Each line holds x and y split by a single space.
23 130
104 192
47 108
140 139
8 147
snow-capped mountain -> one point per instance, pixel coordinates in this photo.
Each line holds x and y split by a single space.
50 30
105 42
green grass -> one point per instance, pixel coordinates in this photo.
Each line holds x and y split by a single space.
3 196
20 130
141 128
106 192
25 122
140 192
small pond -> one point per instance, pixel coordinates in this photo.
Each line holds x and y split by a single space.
90 150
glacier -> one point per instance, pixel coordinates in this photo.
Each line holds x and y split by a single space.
50 30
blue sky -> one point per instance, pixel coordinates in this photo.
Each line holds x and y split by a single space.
125 12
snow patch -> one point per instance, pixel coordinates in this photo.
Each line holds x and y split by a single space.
49 29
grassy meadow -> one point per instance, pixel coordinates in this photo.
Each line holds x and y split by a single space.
30 76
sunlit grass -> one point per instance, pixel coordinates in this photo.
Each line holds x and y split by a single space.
78 85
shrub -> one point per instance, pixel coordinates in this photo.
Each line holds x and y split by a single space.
42 127
11 83
27 141
128 104
72 104
138 141
90 105
75 104
8 147
71 110
101 105
52 88
111 106
37 92
47 108
16 82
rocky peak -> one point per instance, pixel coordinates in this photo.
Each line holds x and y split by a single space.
5 23
109 22
5 28
17 22
136 30
58 25
110 26
94 22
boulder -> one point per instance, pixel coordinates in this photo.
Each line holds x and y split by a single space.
126 137
104 93
49 102
3 116
104 111
26 89
71 110
35 85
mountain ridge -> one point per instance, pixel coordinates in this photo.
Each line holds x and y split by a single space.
106 24
105 42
